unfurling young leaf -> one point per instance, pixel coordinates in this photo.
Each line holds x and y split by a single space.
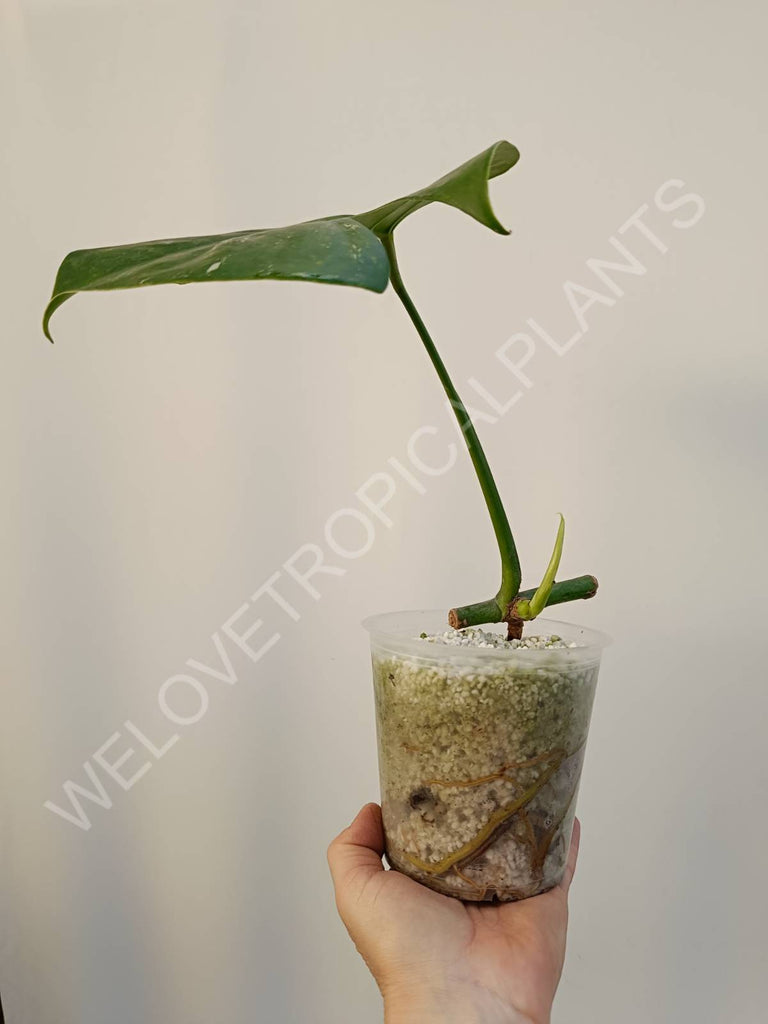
529 609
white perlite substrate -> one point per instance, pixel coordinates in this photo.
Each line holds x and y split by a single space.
474 637
480 754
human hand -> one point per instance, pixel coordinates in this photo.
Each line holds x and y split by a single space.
437 959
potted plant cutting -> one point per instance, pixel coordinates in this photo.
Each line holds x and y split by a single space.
481 733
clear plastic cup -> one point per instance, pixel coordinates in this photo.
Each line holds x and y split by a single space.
480 754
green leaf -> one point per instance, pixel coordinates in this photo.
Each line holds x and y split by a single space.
338 250
335 250
466 188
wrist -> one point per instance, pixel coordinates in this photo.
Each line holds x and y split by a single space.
423 1004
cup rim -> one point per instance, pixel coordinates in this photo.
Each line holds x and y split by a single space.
385 634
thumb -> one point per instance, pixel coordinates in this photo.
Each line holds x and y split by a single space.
354 856
573 854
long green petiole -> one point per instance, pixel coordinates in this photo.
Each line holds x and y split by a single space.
510 563
509 605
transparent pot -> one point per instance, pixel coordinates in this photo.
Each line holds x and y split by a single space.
480 754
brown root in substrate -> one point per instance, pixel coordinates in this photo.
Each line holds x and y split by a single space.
502 820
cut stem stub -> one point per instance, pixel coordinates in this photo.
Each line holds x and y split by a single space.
483 612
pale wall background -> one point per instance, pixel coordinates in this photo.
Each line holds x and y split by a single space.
176 446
